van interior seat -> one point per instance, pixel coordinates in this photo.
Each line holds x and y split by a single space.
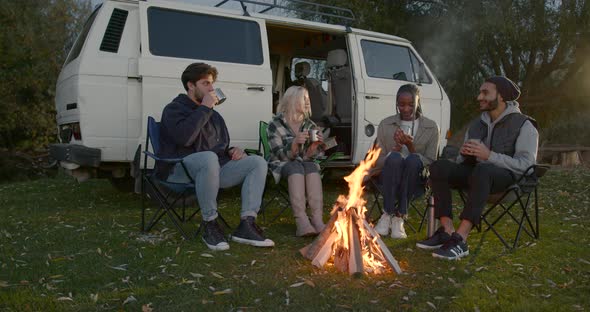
317 95
339 85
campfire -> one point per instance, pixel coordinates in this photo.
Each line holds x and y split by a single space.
348 241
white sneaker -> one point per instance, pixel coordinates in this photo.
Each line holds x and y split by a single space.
383 225
397 228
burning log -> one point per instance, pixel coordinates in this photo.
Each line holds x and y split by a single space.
355 263
386 253
325 252
341 256
311 251
348 239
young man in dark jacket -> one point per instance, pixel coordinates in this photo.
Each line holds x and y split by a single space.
499 146
193 130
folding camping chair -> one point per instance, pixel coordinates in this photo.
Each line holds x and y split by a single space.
166 194
376 189
523 193
277 192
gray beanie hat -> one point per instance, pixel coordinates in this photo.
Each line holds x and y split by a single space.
508 89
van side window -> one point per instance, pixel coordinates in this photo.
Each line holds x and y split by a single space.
203 37
112 36
389 61
77 47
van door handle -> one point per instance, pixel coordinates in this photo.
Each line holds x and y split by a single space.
256 88
370 97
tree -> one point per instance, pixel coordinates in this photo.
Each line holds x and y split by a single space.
542 45
35 38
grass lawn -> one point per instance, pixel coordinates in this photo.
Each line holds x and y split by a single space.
70 246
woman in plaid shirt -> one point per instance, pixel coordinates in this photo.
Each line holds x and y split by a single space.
292 156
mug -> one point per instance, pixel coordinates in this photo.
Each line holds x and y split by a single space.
220 96
470 159
313 135
406 129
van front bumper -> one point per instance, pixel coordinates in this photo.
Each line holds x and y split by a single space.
75 154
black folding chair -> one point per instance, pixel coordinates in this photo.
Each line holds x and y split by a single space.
522 194
375 188
166 194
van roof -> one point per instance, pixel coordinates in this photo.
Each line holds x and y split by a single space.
278 20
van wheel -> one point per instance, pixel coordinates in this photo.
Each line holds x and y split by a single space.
125 184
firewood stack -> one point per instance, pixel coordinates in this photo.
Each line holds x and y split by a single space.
348 241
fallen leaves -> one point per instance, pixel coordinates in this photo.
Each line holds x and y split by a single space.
65 299
129 300
121 267
430 304
249 277
566 285
215 274
304 282
223 292
297 284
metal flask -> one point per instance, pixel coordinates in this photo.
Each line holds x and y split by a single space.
431 221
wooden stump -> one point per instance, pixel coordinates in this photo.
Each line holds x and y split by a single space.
567 159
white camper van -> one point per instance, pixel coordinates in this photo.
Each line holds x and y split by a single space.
126 66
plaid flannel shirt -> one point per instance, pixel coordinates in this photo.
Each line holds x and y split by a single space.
280 138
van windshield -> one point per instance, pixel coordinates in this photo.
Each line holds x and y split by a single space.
79 43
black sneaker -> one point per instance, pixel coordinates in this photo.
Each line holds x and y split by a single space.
249 233
213 236
435 241
454 249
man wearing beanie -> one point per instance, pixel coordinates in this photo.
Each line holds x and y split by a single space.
498 147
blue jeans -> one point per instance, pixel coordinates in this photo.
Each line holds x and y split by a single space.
401 182
203 167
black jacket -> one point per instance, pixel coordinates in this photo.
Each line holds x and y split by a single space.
187 128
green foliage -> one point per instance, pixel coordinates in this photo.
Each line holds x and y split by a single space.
34 40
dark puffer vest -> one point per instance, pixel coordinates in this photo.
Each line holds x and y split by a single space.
504 134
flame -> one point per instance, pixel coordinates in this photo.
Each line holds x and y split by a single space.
373 258
355 181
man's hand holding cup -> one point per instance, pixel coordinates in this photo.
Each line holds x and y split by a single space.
474 147
210 99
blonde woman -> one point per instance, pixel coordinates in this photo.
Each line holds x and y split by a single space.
292 157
